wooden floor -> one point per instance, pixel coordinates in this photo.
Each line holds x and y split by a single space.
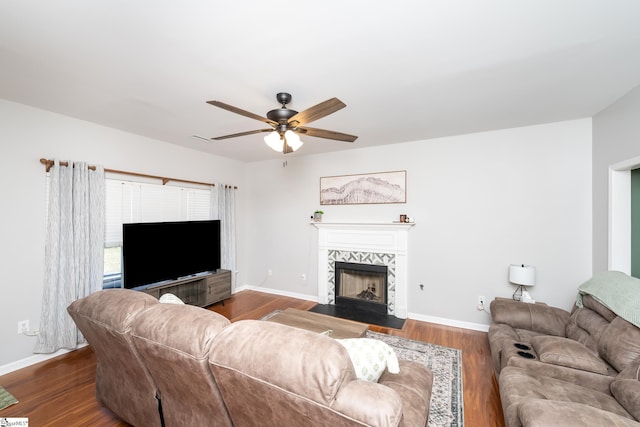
60 391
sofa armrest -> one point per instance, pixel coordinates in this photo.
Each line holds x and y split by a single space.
545 413
371 403
413 384
539 318
499 334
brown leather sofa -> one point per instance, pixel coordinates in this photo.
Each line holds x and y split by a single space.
171 364
577 368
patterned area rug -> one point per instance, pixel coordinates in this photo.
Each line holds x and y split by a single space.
447 408
6 399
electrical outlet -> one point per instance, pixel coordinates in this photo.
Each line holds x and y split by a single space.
303 276
23 327
480 305
269 272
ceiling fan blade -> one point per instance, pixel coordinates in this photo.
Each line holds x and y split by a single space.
234 135
317 112
241 112
327 134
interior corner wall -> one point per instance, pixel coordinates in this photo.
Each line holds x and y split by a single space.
481 202
28 134
616 139
635 223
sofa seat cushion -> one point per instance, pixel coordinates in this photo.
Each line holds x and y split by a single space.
518 385
567 352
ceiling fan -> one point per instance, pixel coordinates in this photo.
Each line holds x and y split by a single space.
286 124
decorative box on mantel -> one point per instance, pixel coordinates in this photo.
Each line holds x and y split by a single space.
362 242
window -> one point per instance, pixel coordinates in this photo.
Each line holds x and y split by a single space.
130 202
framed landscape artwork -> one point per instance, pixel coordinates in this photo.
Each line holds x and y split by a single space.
370 188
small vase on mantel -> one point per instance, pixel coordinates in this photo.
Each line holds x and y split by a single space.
317 216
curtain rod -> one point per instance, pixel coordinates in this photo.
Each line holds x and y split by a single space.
48 163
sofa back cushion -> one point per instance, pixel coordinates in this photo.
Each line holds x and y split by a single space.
591 303
539 318
620 344
281 375
302 362
123 383
586 326
174 341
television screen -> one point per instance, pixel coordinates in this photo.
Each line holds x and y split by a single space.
155 252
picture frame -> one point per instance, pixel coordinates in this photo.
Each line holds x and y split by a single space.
366 188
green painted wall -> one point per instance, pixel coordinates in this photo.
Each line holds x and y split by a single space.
635 223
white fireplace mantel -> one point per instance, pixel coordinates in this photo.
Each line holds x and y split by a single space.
389 237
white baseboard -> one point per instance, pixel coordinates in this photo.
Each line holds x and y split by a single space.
32 360
305 297
430 319
450 322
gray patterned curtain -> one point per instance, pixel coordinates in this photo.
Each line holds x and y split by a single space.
74 250
223 207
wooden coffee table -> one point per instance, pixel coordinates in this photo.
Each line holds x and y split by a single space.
319 323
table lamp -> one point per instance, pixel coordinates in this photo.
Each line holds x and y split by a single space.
522 275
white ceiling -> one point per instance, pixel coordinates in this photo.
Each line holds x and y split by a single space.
407 70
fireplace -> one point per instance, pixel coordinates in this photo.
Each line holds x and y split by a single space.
361 286
377 244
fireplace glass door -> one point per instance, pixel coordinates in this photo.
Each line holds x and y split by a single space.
361 286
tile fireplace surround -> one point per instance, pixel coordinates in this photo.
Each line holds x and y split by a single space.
366 243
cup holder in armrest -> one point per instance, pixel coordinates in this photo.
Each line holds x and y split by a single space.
521 346
526 355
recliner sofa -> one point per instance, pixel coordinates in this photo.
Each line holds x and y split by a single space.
191 366
571 368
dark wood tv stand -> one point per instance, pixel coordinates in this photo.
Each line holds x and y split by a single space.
201 290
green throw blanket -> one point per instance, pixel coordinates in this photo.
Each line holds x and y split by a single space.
616 291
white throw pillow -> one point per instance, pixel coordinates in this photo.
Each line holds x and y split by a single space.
170 299
370 357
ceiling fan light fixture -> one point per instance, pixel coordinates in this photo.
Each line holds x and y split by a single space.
293 140
285 124
274 141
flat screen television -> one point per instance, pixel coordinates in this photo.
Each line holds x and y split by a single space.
154 252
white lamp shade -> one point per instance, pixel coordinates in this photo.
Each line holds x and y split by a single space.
274 141
522 274
293 140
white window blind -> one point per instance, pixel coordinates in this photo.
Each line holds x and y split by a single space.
131 202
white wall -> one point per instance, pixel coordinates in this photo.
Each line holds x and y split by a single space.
28 134
481 202
616 139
